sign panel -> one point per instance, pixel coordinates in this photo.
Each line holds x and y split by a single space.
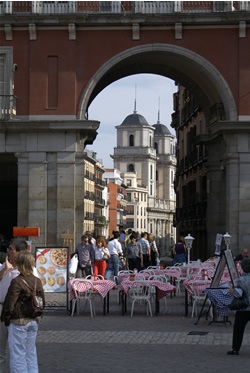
52 268
26 231
226 259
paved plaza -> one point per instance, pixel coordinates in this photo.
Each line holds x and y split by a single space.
167 343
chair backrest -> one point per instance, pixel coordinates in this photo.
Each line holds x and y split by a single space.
124 271
82 287
100 277
158 278
140 290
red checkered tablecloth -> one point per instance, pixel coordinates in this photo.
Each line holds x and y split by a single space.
101 286
164 288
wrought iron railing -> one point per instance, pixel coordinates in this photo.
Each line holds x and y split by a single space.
122 7
7 107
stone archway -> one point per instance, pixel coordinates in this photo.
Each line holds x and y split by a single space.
177 63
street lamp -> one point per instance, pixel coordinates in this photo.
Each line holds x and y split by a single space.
189 242
227 238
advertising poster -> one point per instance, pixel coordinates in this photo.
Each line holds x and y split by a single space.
52 268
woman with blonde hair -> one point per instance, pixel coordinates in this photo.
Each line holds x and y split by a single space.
22 328
153 249
101 255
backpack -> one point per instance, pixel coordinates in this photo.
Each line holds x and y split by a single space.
33 303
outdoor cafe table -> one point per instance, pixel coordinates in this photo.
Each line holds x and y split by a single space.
102 287
161 290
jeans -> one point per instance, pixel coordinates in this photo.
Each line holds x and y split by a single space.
112 266
22 347
4 363
241 319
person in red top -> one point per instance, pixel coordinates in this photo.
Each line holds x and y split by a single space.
101 255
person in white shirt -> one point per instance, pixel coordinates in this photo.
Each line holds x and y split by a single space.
115 250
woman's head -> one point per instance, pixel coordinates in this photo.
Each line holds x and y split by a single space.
101 242
245 265
25 263
150 237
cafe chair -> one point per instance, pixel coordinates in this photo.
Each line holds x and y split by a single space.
160 278
140 293
198 299
83 292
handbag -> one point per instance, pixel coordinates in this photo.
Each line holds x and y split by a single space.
73 265
106 256
239 303
34 304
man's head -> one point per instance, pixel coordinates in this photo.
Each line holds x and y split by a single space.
84 240
244 253
12 251
116 234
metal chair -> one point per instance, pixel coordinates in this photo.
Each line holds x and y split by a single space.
83 291
141 292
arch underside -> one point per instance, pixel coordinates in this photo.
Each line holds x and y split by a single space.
179 64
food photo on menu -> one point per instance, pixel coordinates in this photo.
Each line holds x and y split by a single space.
51 265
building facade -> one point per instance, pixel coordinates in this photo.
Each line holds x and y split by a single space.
147 153
191 172
117 195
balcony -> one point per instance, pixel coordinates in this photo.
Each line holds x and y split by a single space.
120 7
7 107
99 201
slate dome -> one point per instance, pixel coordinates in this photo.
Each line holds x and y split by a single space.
161 129
135 119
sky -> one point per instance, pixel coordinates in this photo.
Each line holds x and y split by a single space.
116 102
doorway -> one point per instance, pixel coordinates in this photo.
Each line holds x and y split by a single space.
8 194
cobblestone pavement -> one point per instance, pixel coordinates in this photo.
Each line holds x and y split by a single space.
167 343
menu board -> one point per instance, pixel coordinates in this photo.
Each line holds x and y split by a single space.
51 265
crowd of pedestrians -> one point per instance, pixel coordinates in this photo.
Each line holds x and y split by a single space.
104 258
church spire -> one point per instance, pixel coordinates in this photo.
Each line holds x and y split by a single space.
135 102
158 121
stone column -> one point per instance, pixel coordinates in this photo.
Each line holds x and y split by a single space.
228 183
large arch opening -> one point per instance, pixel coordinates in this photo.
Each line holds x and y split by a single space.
179 64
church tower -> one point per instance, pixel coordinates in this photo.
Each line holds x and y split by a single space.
135 150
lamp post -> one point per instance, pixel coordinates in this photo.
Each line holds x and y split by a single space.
189 242
227 238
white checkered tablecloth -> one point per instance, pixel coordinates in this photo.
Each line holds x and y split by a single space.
221 298
101 286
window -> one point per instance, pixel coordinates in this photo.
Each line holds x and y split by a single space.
156 175
151 172
131 168
131 140
129 182
156 147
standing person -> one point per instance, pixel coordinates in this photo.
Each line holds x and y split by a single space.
179 251
115 250
22 329
127 238
153 249
242 316
92 241
134 254
86 256
8 272
242 255
101 251
122 237
145 249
